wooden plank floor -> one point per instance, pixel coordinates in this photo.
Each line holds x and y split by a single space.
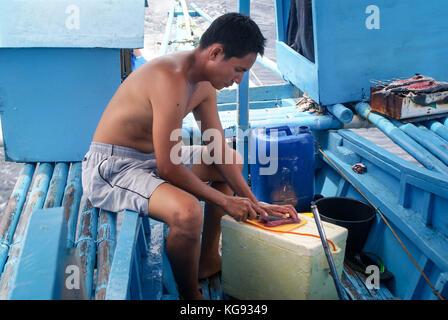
211 288
354 284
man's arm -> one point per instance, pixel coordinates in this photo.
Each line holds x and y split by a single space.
207 114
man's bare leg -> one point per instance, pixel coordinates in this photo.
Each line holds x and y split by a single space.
210 259
183 213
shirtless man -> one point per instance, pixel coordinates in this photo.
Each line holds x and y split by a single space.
129 162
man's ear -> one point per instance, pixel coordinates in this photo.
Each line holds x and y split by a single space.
215 51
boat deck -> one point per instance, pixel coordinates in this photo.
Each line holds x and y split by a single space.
376 136
354 283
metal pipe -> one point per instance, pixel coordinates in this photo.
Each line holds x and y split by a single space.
106 248
342 113
438 128
201 12
167 34
35 201
325 122
186 17
323 238
445 121
242 121
10 218
71 201
57 184
314 122
269 64
242 143
267 113
182 36
264 61
428 139
86 242
402 139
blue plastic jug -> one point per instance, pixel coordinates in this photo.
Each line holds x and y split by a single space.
281 165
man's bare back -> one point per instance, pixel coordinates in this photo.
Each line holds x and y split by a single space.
128 118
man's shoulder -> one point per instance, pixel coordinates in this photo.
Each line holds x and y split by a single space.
206 89
165 76
166 69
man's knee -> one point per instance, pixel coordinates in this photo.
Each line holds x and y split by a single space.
188 218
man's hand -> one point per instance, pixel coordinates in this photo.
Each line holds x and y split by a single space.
242 209
281 211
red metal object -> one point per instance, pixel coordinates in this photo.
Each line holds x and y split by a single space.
410 98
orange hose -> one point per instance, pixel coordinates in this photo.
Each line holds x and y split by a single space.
290 232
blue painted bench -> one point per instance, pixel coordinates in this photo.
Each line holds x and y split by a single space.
56 245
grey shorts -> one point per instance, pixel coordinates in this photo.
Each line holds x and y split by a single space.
115 178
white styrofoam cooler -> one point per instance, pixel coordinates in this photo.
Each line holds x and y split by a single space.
260 264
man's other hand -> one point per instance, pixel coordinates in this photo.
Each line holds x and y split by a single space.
282 211
241 208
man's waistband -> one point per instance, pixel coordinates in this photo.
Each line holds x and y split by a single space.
120 151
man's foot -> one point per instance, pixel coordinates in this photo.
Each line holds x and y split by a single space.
209 266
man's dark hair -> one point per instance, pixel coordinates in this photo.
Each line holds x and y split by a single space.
238 34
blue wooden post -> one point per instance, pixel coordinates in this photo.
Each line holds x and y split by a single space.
121 269
244 7
243 106
40 271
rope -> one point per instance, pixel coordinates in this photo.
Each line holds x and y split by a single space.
390 227
290 232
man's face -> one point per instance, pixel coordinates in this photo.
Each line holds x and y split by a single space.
228 71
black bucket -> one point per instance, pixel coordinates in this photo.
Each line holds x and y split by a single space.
352 214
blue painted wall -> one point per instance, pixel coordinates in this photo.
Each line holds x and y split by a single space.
59 67
68 23
51 100
354 45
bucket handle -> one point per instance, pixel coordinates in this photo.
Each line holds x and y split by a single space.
287 129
